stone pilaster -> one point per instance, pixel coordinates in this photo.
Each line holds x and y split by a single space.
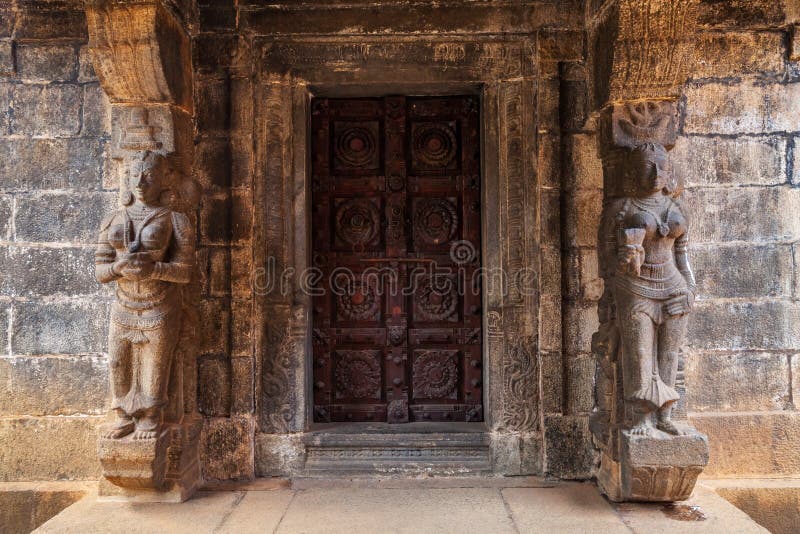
654 465
640 53
141 52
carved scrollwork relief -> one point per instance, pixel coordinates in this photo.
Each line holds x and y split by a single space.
520 385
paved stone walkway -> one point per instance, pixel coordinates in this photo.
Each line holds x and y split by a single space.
404 506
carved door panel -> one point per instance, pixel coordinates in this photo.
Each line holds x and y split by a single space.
396 241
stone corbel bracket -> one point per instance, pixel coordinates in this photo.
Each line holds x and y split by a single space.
141 51
794 51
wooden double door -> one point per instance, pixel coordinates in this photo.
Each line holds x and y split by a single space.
396 253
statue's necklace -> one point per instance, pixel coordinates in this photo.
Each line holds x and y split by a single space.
145 218
663 226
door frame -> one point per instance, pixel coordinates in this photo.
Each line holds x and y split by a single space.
502 72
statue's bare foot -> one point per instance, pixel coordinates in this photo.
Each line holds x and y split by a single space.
642 429
145 434
147 427
666 425
118 430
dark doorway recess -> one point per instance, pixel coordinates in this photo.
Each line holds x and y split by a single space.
396 241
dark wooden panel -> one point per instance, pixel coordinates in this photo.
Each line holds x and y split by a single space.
396 236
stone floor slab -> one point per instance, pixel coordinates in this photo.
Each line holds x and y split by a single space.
416 507
720 516
571 507
400 511
773 503
258 512
202 514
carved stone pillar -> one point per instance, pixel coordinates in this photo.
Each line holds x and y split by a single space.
641 51
141 52
649 452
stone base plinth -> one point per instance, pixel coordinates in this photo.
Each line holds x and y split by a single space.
164 469
658 468
132 463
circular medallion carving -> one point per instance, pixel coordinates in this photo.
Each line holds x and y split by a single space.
434 145
358 374
359 303
435 220
435 375
355 146
357 222
396 182
435 303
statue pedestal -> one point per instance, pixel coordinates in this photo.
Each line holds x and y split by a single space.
163 469
654 468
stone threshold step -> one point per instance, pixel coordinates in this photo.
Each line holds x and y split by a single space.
381 482
404 428
447 449
423 482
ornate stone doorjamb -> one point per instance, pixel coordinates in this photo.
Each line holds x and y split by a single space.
503 72
141 53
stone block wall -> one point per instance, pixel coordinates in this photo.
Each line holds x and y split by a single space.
53 315
737 153
223 168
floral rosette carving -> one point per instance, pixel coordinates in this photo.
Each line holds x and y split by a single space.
358 374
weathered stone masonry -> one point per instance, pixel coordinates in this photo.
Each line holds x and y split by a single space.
54 190
737 100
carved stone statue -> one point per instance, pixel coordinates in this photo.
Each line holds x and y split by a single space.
148 249
649 451
651 289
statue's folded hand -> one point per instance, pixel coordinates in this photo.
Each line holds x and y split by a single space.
119 266
138 269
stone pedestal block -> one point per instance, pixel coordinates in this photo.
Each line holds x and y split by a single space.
652 468
163 469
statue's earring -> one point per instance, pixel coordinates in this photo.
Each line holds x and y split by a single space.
127 198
